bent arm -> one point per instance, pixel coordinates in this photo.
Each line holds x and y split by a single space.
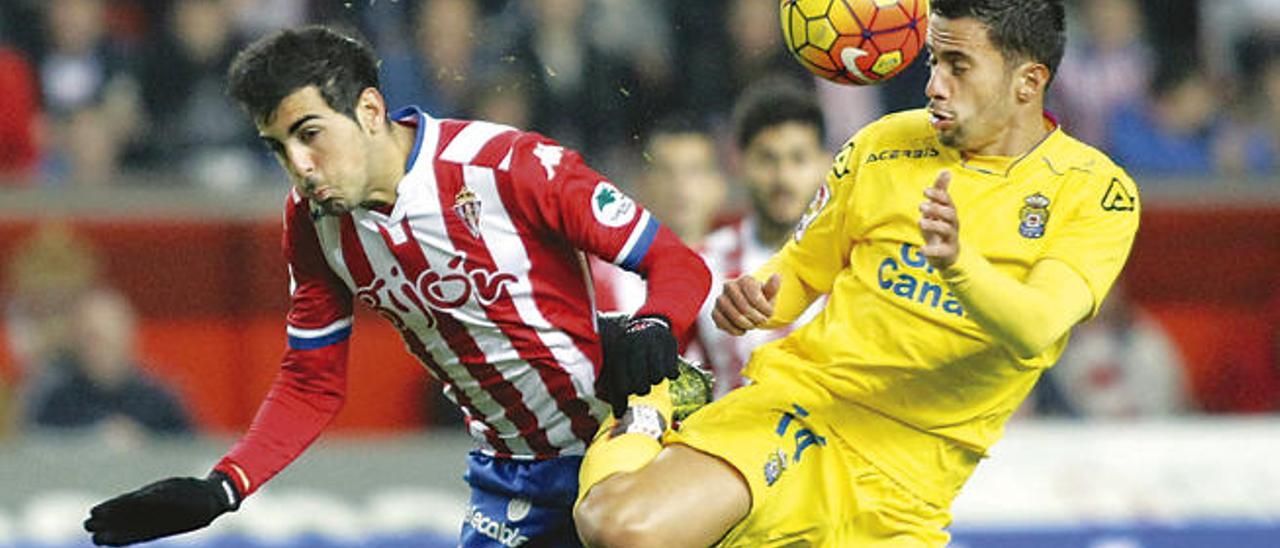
1027 316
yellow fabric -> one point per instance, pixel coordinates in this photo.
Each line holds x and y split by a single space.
828 496
924 389
607 456
1026 317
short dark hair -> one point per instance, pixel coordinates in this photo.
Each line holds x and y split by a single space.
1029 29
677 123
339 64
773 103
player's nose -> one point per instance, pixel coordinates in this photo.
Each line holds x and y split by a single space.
936 88
300 162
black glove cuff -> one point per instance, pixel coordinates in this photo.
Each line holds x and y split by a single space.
227 491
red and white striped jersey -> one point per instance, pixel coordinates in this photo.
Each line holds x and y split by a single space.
480 265
732 251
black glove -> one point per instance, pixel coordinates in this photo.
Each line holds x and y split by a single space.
638 353
166 507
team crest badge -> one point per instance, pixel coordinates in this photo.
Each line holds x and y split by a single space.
1035 215
774 466
467 206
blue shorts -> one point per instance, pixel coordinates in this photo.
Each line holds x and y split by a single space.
520 503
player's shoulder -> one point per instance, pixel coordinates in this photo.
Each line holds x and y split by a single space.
477 142
1084 162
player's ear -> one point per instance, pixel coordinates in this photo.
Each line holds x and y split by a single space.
1031 80
371 110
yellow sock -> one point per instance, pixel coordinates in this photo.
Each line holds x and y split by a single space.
611 453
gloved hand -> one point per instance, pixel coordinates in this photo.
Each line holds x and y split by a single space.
163 508
638 353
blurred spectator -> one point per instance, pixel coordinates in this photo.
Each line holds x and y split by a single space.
725 46
579 93
436 71
1174 134
89 95
46 275
19 112
1121 364
257 17
98 385
501 98
682 185
194 127
1251 143
778 130
1107 66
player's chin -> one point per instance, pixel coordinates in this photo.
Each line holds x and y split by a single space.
335 206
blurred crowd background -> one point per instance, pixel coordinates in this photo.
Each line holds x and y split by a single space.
138 323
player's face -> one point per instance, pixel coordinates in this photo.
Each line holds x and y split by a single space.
971 93
324 151
783 166
684 185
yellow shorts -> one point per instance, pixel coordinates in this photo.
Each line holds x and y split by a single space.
808 487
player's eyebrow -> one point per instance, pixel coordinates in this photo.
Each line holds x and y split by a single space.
293 128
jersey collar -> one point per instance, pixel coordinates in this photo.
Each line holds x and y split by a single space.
1006 166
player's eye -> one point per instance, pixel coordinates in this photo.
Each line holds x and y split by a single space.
308 134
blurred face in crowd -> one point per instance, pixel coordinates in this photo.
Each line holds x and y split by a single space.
444 33
104 327
974 93
75 26
1112 24
1188 107
783 166
684 186
202 26
326 153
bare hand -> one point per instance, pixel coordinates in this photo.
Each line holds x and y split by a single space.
940 224
744 304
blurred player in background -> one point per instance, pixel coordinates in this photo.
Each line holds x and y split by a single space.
860 427
682 185
469 238
778 129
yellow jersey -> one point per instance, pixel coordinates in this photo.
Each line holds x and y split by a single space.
915 385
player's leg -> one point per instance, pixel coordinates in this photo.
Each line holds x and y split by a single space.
520 503
683 498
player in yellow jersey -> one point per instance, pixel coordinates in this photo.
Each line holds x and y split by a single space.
957 246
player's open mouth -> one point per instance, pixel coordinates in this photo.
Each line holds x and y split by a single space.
941 120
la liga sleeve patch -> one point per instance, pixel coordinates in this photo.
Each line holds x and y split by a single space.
610 206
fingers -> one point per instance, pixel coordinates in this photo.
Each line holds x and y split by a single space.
771 288
743 305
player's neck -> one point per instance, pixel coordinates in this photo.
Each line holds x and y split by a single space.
1025 130
392 156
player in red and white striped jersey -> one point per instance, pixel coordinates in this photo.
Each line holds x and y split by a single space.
469 237
779 134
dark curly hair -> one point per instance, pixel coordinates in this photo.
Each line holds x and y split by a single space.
340 65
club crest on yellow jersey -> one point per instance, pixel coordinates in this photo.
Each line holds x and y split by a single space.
1034 215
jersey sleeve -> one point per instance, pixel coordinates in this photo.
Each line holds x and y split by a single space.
820 247
560 194
1096 234
310 386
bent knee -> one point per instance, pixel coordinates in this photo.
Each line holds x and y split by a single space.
608 517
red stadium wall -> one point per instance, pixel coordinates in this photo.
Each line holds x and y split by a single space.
212 298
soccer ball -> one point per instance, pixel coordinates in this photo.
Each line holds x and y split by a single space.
857 42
